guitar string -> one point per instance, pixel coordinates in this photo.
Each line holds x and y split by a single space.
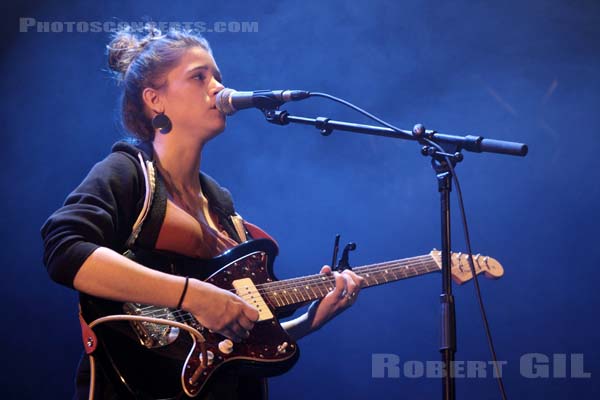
318 280
373 267
311 280
399 264
187 317
289 300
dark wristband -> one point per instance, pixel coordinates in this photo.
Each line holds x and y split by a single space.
185 287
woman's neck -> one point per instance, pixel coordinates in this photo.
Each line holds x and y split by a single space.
180 160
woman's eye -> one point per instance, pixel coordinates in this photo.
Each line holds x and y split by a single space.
199 77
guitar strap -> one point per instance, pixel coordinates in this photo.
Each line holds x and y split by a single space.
257 233
90 342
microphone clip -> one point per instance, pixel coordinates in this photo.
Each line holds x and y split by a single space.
321 125
276 116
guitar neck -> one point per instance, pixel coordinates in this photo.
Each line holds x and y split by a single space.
295 292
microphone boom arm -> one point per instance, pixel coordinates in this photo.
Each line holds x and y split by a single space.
476 144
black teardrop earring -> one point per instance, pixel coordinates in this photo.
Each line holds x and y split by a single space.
162 123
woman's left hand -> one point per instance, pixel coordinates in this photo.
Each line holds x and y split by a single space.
347 286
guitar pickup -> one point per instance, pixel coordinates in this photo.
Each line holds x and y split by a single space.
246 289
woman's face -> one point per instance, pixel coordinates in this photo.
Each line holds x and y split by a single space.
190 94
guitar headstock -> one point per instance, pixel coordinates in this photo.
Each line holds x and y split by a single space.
461 271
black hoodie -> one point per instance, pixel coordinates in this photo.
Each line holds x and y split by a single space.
104 208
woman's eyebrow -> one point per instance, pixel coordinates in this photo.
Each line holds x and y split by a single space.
216 73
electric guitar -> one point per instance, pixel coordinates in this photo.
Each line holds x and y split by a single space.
162 360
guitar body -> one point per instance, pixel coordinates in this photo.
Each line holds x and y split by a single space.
154 361
150 359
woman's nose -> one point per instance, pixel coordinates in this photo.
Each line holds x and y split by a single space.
217 87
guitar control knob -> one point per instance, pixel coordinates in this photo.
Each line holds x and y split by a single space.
226 346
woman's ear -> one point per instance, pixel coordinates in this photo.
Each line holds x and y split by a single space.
153 100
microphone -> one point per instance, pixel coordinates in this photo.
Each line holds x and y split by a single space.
230 101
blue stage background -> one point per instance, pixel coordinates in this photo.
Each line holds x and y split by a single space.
512 70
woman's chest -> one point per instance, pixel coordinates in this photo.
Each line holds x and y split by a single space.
193 232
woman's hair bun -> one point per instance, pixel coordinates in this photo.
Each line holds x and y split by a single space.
126 45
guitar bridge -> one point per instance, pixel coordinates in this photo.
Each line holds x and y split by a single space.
152 335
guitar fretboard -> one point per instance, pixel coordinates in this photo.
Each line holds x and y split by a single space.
313 287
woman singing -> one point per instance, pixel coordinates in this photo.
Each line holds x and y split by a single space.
148 195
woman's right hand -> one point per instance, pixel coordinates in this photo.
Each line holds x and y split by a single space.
220 310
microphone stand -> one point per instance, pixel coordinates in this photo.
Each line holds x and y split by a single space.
452 147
